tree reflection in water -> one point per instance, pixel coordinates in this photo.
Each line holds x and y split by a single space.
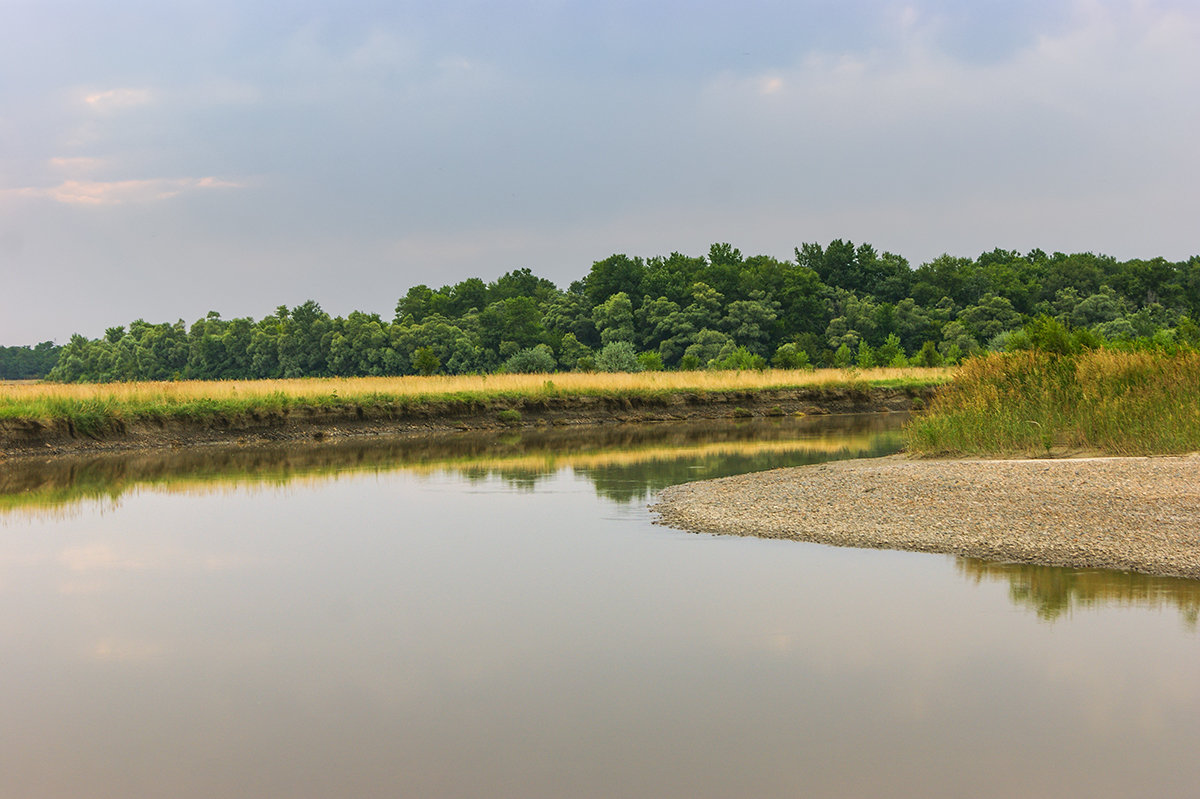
624 462
1053 592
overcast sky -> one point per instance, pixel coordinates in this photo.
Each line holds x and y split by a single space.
163 159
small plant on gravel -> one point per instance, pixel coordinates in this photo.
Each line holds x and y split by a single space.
509 416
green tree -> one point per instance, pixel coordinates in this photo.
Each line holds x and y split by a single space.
572 352
891 353
990 316
928 355
707 346
865 359
614 319
425 361
614 275
751 322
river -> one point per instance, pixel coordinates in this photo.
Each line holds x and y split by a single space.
495 615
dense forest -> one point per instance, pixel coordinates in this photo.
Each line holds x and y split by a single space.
838 305
24 363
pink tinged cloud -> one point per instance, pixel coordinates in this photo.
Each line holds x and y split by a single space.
114 99
118 192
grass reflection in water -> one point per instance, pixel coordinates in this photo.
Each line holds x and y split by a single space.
624 462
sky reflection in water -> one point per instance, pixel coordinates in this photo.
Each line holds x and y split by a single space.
499 618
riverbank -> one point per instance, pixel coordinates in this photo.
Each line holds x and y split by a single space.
1139 514
330 416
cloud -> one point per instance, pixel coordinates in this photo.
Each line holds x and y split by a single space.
116 99
120 192
77 164
1094 103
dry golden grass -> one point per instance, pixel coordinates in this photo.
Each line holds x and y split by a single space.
347 388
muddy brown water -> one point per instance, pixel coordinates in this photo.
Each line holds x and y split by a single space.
495 615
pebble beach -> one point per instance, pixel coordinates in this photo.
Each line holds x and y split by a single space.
1130 514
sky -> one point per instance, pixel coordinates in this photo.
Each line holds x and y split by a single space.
161 160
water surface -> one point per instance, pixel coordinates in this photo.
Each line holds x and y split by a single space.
495 615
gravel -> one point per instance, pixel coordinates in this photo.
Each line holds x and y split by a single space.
1131 514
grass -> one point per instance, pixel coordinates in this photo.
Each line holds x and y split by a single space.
1033 403
91 407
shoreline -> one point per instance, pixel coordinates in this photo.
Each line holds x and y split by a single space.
1138 514
24 437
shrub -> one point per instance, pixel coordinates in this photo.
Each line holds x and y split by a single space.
618 356
1049 335
790 356
738 358
534 360
650 361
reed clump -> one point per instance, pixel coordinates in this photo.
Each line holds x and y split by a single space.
1039 403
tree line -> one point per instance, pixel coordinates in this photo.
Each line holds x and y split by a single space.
836 305
26 363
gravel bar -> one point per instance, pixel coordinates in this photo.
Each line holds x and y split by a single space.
1131 514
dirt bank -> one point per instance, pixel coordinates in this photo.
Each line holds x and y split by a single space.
1131 514
19 437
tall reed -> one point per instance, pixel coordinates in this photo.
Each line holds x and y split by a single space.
1030 403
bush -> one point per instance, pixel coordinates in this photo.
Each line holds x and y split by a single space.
650 361
738 358
509 416
618 356
790 356
534 360
1049 335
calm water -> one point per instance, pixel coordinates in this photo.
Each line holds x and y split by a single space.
496 616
